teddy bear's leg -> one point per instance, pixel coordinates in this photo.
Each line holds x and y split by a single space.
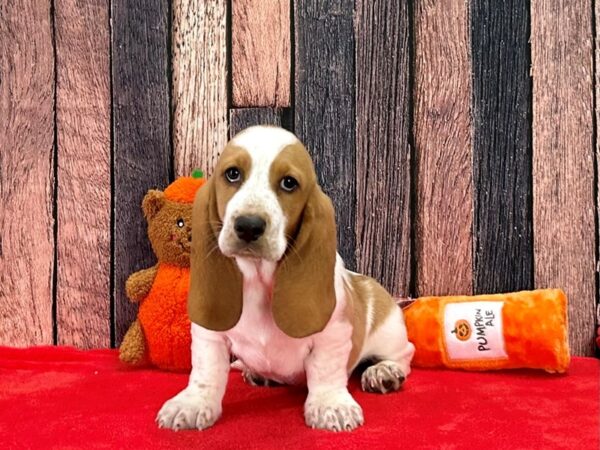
133 347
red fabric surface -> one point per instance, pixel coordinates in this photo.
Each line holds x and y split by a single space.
57 397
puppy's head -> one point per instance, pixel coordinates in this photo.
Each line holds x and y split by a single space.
263 202
263 181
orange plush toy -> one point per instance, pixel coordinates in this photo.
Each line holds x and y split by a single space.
161 333
525 329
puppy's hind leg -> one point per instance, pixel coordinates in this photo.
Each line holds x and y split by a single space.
251 378
382 377
254 379
388 345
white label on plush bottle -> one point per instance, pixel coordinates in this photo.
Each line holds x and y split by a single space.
473 330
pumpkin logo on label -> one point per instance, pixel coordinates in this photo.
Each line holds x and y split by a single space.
462 330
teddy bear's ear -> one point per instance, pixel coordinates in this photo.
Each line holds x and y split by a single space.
152 203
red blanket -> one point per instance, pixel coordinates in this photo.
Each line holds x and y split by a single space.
56 397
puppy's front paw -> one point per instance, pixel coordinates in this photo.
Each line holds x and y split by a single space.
383 377
333 410
189 409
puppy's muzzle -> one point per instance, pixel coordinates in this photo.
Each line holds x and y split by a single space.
249 228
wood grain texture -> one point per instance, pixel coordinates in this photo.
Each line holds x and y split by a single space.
260 47
26 173
141 143
241 118
597 155
563 165
502 184
444 201
199 83
325 105
382 143
84 191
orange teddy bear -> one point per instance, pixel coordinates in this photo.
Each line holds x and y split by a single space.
161 333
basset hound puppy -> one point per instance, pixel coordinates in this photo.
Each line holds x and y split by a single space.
268 286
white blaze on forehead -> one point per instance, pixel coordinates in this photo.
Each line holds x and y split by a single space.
264 143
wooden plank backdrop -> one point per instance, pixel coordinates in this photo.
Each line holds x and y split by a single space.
325 103
260 53
241 118
596 32
27 208
502 176
84 191
457 139
563 158
141 137
443 153
383 179
199 83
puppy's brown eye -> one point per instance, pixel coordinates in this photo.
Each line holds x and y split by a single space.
180 223
288 184
233 175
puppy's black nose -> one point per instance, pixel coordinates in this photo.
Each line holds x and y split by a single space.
249 228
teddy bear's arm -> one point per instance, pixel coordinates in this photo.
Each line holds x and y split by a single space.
138 284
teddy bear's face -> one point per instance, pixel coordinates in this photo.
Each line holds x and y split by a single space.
169 228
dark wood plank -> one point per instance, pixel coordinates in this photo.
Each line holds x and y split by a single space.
199 47
324 116
563 159
84 191
502 184
241 118
382 143
260 47
442 129
26 172
141 135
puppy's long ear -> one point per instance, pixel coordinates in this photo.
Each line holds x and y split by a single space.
215 297
304 294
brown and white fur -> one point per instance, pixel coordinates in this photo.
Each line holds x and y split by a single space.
282 303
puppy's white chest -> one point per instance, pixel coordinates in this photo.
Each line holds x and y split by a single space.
256 339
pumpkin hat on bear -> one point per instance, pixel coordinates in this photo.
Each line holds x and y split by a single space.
161 333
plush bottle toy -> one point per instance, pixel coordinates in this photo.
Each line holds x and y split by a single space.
161 333
525 329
